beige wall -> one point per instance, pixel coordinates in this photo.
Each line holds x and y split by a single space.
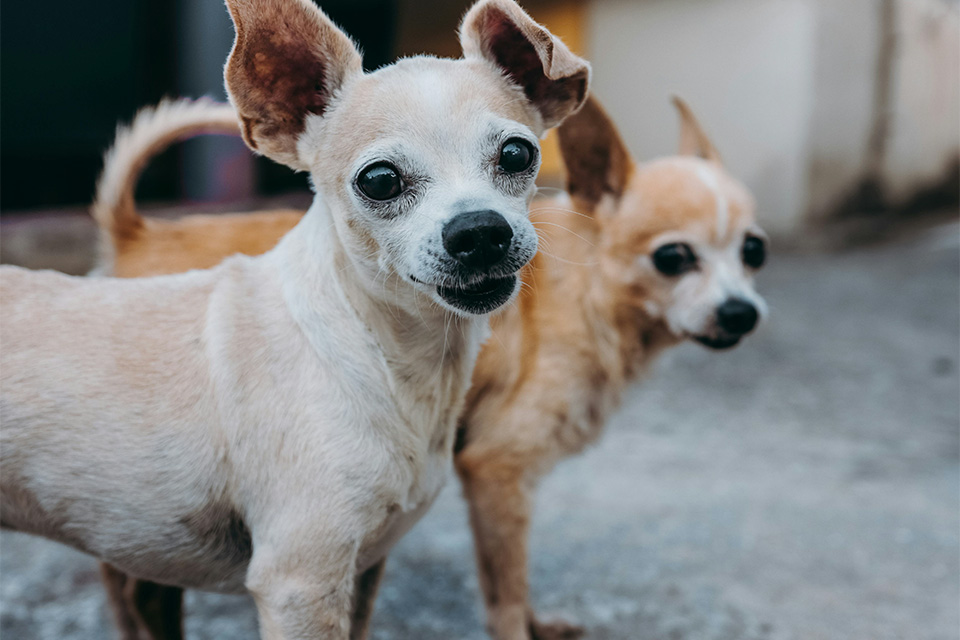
789 91
925 105
847 43
919 113
745 66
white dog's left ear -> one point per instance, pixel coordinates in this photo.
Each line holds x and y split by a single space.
554 79
287 63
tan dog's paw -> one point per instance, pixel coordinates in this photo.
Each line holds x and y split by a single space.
555 630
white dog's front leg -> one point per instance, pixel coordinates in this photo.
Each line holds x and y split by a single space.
299 600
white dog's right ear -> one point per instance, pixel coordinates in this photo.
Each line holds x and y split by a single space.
552 77
287 62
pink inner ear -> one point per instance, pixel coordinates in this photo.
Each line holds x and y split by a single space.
516 54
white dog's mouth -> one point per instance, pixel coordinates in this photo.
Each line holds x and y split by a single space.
481 296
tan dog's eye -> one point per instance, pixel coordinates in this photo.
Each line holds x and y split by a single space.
516 156
380 182
674 259
754 252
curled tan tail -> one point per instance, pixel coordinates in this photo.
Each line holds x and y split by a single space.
152 131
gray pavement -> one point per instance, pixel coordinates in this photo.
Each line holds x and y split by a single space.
804 486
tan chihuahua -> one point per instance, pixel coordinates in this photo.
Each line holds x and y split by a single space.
275 424
636 258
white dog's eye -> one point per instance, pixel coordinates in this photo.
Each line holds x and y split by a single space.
516 155
380 181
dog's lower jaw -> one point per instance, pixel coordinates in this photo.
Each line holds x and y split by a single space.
481 298
719 342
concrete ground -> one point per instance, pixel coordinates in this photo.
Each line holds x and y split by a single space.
804 486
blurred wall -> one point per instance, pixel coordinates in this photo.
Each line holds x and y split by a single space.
745 66
886 125
820 106
925 100
217 168
849 39
71 72
68 71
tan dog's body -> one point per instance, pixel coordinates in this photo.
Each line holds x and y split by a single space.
556 367
201 235
276 423
593 314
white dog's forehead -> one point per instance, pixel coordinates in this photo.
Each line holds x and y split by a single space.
431 103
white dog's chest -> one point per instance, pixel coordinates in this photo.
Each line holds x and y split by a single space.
402 517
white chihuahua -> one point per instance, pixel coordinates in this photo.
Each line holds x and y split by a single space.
277 423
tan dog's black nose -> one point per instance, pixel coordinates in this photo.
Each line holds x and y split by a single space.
737 317
477 239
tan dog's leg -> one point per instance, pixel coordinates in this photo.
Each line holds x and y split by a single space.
143 610
159 607
498 490
115 582
367 586
499 517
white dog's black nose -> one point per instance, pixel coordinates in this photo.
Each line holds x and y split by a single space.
477 239
737 316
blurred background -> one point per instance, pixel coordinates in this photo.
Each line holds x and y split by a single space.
826 110
804 486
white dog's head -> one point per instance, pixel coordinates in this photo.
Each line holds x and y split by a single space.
426 166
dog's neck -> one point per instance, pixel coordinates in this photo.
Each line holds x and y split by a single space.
426 353
628 339
636 338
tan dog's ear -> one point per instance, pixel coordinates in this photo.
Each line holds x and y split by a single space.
554 80
596 158
286 63
693 140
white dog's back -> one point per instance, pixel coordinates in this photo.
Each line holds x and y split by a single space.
59 480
